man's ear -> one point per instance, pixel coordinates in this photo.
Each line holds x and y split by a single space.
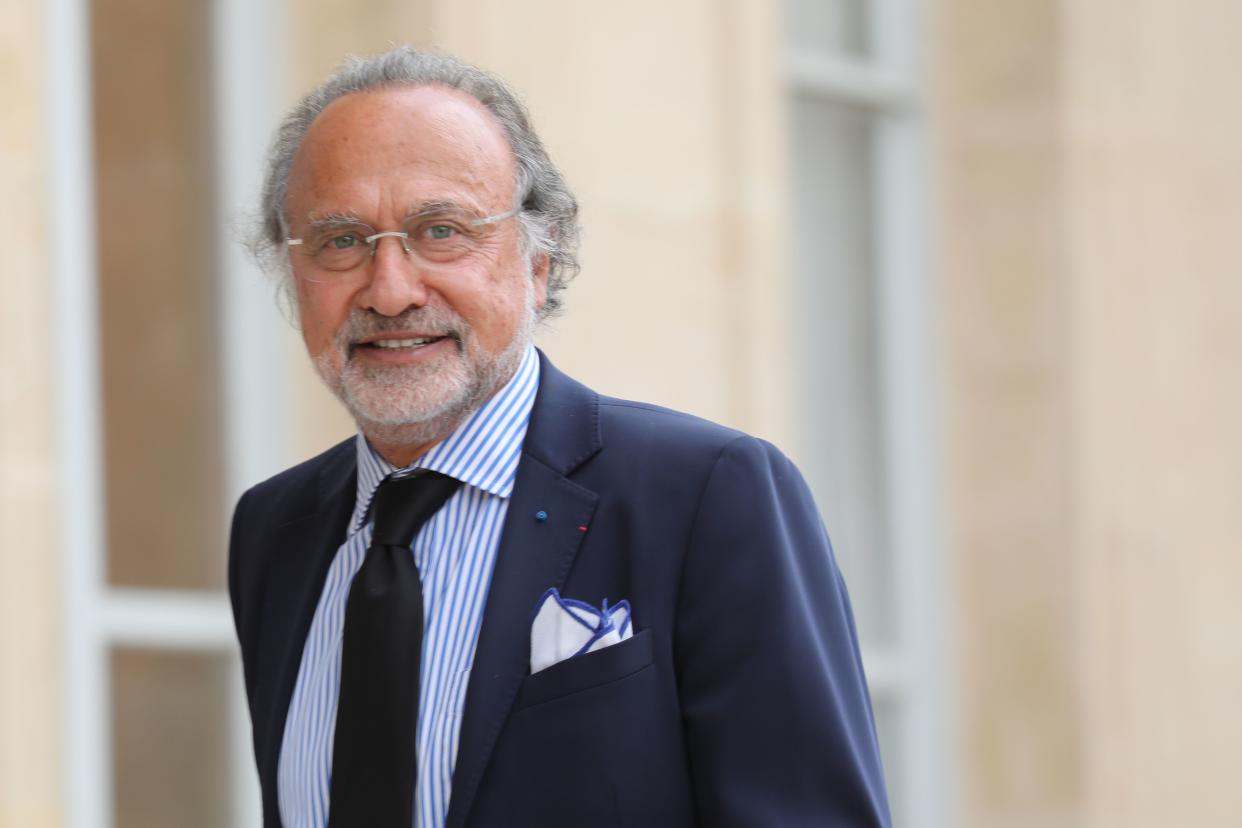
539 275
287 301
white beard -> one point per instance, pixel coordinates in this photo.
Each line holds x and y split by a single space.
412 404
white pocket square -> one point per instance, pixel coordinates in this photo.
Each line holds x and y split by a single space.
564 628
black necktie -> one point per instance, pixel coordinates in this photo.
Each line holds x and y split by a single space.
374 756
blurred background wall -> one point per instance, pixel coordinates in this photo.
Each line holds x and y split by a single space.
974 265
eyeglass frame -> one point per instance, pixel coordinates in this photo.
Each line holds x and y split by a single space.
372 241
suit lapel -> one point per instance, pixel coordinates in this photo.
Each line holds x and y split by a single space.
533 555
306 547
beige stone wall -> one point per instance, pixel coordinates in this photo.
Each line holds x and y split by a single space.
1153 136
1008 442
1089 156
30 632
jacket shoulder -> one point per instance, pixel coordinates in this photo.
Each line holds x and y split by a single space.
656 427
286 495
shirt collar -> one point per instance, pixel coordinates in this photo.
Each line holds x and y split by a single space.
482 452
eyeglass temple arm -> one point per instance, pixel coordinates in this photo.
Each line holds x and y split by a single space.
498 217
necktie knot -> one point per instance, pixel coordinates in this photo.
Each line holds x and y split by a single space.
404 502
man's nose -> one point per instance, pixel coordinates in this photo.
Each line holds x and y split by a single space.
396 279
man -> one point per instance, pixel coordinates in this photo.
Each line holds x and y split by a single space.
715 677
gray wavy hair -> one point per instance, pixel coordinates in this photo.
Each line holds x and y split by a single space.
548 211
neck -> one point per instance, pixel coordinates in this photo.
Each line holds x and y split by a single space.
401 445
399 454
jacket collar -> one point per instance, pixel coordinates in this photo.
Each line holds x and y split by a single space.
305 542
564 424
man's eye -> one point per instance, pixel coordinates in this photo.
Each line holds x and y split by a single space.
344 242
439 232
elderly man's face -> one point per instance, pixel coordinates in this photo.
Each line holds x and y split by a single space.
401 343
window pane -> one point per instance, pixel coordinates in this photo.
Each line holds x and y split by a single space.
841 428
171 738
828 26
153 155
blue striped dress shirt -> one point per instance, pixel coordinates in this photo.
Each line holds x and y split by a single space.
455 552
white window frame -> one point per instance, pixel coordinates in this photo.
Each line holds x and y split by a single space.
914 670
98 617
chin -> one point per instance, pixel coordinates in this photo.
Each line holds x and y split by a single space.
416 404
409 396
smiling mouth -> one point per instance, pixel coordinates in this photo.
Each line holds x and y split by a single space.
400 344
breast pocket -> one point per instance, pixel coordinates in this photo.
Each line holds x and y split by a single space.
594 740
573 675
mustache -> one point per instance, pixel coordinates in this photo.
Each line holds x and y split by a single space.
429 320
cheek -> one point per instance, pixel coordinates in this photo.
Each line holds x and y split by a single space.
320 314
505 311
483 299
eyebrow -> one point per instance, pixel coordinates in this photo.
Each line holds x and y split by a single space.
334 220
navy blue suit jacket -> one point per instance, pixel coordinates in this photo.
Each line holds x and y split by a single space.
740 700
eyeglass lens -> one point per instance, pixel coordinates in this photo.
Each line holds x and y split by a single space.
435 240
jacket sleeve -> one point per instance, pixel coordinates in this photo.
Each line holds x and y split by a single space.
240 587
778 720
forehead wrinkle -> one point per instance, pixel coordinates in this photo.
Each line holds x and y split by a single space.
479 161
464 180
472 131
449 147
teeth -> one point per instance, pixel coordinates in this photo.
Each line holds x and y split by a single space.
401 343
